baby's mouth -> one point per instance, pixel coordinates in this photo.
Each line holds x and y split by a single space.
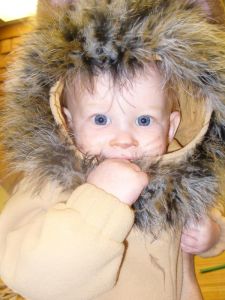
122 156
127 158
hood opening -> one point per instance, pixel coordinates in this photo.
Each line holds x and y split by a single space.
195 116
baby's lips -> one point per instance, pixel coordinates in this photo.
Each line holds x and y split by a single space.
122 156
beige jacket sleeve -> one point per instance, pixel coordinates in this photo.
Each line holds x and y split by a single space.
218 216
57 248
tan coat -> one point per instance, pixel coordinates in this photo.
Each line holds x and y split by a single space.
83 246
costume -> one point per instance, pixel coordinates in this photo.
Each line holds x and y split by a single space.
63 238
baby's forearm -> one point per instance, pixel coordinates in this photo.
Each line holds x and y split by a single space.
73 247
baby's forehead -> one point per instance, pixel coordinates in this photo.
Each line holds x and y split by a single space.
132 100
146 86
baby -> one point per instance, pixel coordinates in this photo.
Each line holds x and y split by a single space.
70 234
123 124
126 123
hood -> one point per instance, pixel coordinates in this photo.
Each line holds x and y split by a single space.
121 38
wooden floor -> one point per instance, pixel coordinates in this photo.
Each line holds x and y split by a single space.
212 284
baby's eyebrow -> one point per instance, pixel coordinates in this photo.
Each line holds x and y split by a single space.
154 108
93 109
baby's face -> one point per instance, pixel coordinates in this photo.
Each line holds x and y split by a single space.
129 122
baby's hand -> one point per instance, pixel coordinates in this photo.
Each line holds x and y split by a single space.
120 178
198 238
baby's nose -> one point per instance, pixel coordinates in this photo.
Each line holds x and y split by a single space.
124 140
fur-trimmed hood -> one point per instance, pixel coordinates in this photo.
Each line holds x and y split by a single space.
121 37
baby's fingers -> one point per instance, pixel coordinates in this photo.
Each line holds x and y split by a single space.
189 244
194 232
188 240
191 250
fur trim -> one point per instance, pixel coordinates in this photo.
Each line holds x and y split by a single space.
120 37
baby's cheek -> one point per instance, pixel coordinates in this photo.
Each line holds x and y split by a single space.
83 146
162 147
155 145
88 145
82 142
161 143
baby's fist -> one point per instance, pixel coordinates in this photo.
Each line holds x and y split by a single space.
120 178
200 237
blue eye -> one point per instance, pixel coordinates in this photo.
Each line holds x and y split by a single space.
101 119
144 120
